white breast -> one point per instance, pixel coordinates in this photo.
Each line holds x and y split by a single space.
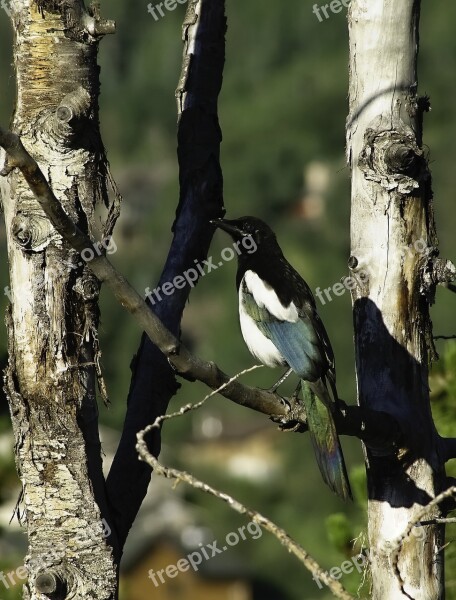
259 345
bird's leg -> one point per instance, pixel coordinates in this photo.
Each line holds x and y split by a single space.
281 380
297 391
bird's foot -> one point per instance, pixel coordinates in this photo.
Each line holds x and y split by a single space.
293 427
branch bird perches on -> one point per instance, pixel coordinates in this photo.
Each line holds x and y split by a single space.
376 429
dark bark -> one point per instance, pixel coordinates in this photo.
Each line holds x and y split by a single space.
201 199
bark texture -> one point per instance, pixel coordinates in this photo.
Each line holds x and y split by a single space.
393 240
52 321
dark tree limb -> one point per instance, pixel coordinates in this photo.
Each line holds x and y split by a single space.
449 286
153 381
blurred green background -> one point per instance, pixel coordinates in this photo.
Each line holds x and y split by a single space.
282 112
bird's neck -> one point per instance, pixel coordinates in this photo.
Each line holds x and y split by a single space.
265 263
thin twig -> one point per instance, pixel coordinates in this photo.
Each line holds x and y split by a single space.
190 407
291 545
437 521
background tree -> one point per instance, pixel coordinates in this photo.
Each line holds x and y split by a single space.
391 210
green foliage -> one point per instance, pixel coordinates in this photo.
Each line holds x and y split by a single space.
443 391
442 384
13 592
340 532
358 482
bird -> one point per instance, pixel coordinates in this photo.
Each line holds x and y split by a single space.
281 327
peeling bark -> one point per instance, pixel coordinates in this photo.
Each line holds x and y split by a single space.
53 318
393 239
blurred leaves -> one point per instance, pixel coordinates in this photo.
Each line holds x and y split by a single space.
442 383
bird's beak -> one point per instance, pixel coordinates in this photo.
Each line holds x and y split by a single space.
228 226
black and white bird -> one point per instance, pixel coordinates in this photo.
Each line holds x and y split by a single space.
281 327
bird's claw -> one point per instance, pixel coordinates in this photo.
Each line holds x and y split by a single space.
292 427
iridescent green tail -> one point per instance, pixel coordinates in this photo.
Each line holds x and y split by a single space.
325 440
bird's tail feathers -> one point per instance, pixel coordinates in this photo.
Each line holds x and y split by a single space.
324 437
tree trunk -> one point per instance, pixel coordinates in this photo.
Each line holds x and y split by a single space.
393 245
52 321
69 508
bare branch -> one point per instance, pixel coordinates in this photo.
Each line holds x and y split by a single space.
438 521
191 407
182 360
291 545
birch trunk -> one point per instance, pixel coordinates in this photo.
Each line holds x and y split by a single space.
52 321
393 244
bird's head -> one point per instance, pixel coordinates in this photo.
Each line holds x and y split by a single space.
250 233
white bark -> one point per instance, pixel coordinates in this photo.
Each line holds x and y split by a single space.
52 321
393 239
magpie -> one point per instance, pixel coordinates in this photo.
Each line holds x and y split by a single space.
281 327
